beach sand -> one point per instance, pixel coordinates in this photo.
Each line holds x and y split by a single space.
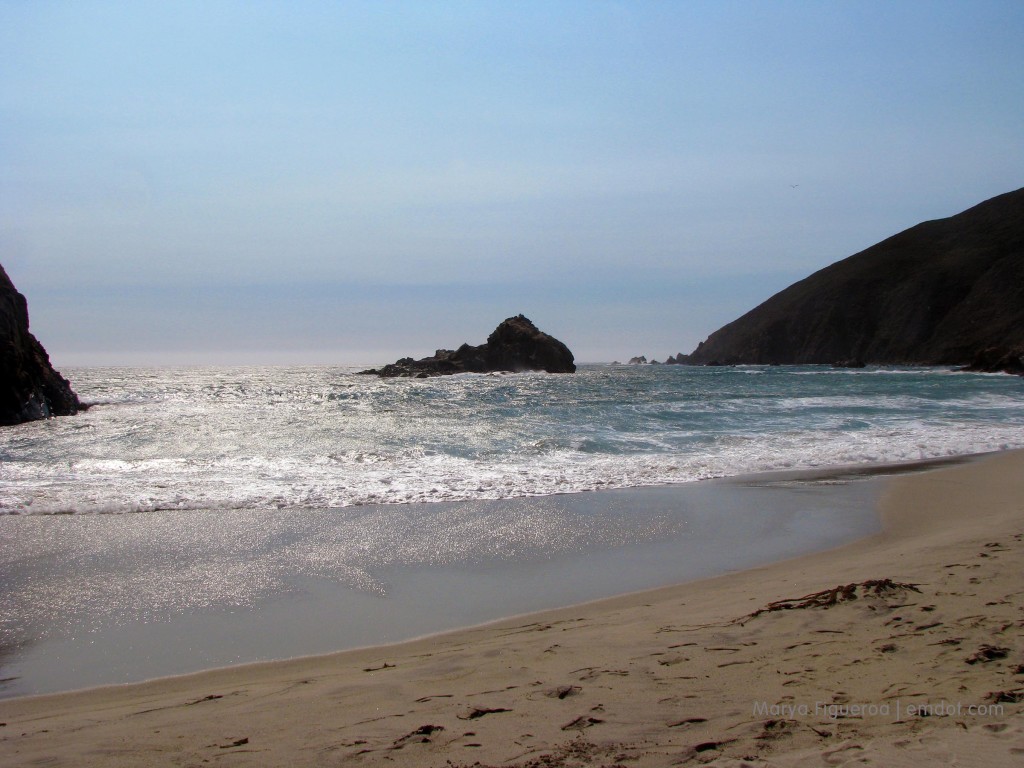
700 673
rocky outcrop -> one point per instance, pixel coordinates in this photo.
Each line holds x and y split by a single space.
998 360
679 359
941 293
638 360
515 345
29 386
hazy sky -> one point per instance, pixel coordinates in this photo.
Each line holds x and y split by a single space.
357 181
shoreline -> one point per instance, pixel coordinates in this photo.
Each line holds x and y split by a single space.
673 675
703 529
795 512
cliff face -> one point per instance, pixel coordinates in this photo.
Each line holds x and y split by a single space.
945 292
515 345
29 386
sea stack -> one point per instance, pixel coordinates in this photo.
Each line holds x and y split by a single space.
945 292
515 345
30 388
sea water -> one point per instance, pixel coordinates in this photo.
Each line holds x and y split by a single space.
321 437
205 516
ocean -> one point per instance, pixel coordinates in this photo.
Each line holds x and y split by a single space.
287 438
195 517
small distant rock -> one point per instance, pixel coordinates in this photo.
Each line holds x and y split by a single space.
515 345
641 360
849 364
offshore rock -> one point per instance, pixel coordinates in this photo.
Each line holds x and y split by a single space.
515 345
998 360
945 292
30 388
849 364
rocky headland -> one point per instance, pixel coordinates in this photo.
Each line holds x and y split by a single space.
515 345
945 292
29 386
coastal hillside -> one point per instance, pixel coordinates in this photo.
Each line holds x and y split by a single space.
945 292
29 386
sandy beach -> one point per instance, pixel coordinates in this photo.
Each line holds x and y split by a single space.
903 648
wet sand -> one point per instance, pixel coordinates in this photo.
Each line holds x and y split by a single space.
916 658
102 599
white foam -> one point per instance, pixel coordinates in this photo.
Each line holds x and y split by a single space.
320 438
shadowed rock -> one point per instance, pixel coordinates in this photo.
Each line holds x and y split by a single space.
29 386
998 360
945 292
515 345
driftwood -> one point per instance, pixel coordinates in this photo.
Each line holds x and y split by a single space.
829 597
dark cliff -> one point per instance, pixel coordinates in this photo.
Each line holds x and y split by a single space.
945 292
29 386
515 345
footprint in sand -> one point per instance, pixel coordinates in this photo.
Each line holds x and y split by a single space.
236 743
563 692
582 723
420 735
987 653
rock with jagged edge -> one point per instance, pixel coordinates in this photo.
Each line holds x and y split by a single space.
30 388
515 345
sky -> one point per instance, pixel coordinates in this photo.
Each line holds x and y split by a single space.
353 182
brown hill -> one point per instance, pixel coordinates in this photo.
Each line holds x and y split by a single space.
945 292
